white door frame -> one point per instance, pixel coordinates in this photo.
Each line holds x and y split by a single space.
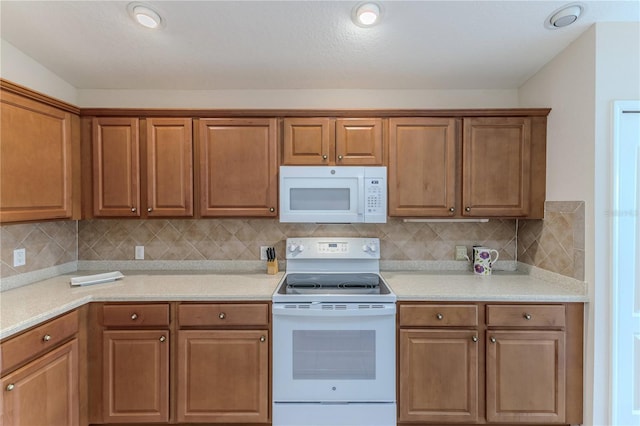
616 213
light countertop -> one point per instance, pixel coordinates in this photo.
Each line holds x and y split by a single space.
26 306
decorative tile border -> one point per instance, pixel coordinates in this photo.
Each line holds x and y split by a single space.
47 244
240 239
556 243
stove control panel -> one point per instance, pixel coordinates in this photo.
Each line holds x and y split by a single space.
333 248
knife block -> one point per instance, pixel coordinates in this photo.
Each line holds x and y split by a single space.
272 266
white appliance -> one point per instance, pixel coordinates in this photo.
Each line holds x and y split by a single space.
326 194
334 346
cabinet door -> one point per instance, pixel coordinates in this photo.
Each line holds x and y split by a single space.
359 142
422 167
135 376
43 392
35 160
496 167
525 376
169 167
238 167
116 173
223 376
308 141
438 376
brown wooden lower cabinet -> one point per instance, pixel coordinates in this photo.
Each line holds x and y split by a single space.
527 369
43 392
526 376
135 376
439 375
223 376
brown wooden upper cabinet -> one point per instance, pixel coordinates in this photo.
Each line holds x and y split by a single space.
422 166
238 166
329 141
494 167
35 160
121 157
497 168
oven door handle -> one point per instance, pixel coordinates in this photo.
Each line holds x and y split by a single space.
320 312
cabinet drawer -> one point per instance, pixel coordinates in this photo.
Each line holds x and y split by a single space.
26 346
525 315
221 314
438 315
137 315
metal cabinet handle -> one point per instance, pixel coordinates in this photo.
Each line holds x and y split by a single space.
339 157
467 209
263 339
149 209
272 209
222 315
452 209
133 209
134 316
439 316
474 339
526 316
10 387
324 157
46 337
162 339
492 339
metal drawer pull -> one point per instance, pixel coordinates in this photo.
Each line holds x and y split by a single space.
162 339
339 157
133 209
134 316
263 339
222 315
467 209
46 338
272 209
452 209
149 209
439 316
324 157
493 340
10 387
474 339
527 316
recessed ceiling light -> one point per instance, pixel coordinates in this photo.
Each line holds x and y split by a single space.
144 15
564 16
366 14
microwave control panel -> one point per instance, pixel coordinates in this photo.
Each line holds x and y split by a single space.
375 199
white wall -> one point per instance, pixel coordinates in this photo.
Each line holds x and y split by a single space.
579 85
21 69
617 78
302 99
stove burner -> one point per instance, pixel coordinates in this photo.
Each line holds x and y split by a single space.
320 283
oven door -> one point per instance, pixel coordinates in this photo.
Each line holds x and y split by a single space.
324 352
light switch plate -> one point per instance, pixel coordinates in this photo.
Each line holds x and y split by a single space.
139 253
19 257
263 252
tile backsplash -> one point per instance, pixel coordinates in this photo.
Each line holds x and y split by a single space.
240 239
557 242
46 244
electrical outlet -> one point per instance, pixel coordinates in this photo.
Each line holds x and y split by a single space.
263 252
139 252
19 257
461 253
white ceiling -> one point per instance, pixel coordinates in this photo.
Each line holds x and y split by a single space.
297 44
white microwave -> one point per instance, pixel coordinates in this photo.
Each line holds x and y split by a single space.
326 194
